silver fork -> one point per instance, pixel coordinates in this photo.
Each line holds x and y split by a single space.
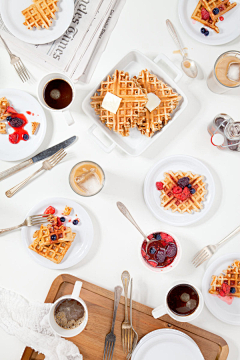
111 337
17 63
208 251
29 221
46 165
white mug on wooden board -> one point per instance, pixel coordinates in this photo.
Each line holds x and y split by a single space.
77 330
41 89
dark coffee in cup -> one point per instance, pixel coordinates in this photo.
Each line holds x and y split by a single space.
58 94
69 313
183 300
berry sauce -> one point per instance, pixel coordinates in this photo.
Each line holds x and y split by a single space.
19 131
160 253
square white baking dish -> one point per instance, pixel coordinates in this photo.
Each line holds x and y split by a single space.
136 143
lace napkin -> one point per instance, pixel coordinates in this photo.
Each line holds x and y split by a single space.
28 321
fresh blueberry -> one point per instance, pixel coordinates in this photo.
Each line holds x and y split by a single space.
9 118
54 237
192 191
25 137
232 290
203 30
189 186
75 222
62 219
157 236
206 33
215 11
152 250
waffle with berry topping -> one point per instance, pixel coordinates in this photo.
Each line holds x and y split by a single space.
40 14
222 5
227 283
208 21
182 192
155 120
131 108
4 104
60 233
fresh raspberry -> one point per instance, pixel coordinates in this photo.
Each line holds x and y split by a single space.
11 110
164 236
177 190
226 288
13 138
50 210
222 293
152 263
59 223
150 236
205 14
159 185
181 196
186 191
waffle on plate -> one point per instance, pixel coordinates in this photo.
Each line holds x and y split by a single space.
40 14
227 283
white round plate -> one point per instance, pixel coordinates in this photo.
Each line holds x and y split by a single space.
22 102
84 232
152 195
229 314
169 344
11 12
228 29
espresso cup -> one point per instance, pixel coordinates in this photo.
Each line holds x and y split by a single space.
77 330
41 88
165 309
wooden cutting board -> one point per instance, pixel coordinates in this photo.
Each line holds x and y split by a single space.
100 307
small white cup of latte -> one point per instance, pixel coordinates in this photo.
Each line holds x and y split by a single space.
190 309
57 99
80 325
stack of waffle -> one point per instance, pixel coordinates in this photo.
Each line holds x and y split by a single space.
40 14
132 111
231 277
222 5
193 203
54 250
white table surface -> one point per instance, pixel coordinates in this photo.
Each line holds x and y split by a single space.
116 243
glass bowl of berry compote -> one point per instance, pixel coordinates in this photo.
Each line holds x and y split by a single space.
163 253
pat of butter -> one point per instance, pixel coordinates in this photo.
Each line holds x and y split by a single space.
153 101
111 102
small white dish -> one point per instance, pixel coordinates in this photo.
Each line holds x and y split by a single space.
152 195
169 344
228 28
23 102
84 232
229 314
11 12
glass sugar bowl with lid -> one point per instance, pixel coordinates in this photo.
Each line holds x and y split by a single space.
225 132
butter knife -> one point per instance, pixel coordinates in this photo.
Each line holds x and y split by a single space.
42 155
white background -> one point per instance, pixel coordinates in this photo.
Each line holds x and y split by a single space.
116 243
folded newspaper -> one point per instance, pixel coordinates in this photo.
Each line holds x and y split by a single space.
78 50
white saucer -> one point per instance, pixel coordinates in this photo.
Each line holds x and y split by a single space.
11 12
84 233
229 30
22 102
229 314
169 343
152 195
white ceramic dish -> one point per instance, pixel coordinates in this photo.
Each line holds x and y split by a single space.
11 12
136 143
229 314
169 344
23 102
84 233
228 28
152 195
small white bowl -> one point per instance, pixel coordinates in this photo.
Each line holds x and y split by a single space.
175 261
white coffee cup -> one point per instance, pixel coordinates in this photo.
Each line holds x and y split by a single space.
69 332
164 309
41 85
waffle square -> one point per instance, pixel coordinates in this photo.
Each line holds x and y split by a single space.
154 121
197 15
3 128
193 203
54 252
231 276
4 103
223 5
131 108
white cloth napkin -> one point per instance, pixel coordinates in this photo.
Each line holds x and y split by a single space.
28 321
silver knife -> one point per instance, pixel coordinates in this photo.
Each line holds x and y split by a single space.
42 155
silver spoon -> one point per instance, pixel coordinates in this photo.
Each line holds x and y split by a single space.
127 214
189 66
